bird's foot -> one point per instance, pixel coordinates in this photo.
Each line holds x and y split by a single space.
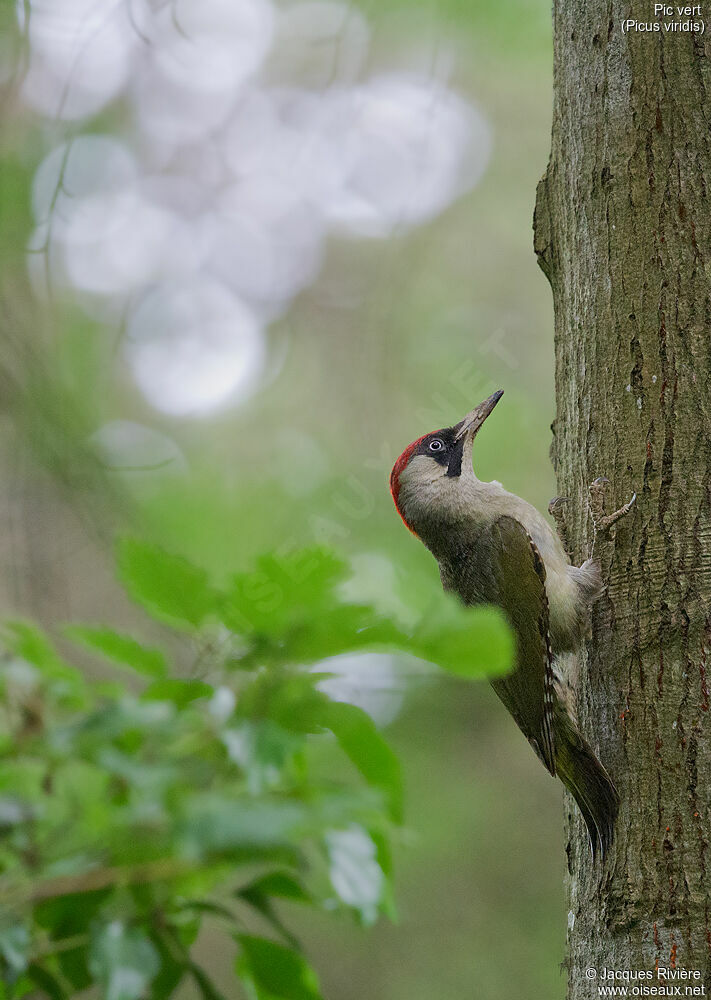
556 508
603 522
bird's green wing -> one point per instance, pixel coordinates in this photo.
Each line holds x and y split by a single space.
510 572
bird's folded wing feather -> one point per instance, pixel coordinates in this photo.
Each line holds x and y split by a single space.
510 572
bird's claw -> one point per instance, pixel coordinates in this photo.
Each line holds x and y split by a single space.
603 522
555 507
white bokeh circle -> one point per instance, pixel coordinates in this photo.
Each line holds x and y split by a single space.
80 55
193 346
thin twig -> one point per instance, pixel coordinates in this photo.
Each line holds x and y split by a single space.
97 878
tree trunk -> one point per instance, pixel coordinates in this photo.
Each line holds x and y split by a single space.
623 233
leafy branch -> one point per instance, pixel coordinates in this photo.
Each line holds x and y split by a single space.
134 809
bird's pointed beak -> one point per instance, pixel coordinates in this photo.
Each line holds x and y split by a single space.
476 417
469 427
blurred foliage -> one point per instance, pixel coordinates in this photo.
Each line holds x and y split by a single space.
134 809
516 26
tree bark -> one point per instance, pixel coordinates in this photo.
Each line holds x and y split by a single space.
623 233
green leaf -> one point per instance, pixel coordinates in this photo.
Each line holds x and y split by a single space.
179 692
16 990
342 629
45 981
384 858
168 586
70 915
32 645
469 642
359 738
207 988
277 972
289 699
123 960
73 966
282 591
120 648
214 824
281 884
261 892
208 906
174 960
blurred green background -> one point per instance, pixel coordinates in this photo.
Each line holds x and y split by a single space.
396 337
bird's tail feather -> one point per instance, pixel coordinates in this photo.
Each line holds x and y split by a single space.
589 783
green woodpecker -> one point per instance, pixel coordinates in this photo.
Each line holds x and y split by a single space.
493 547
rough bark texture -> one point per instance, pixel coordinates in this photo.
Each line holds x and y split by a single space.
623 232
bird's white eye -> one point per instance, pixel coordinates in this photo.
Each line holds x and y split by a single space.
436 444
